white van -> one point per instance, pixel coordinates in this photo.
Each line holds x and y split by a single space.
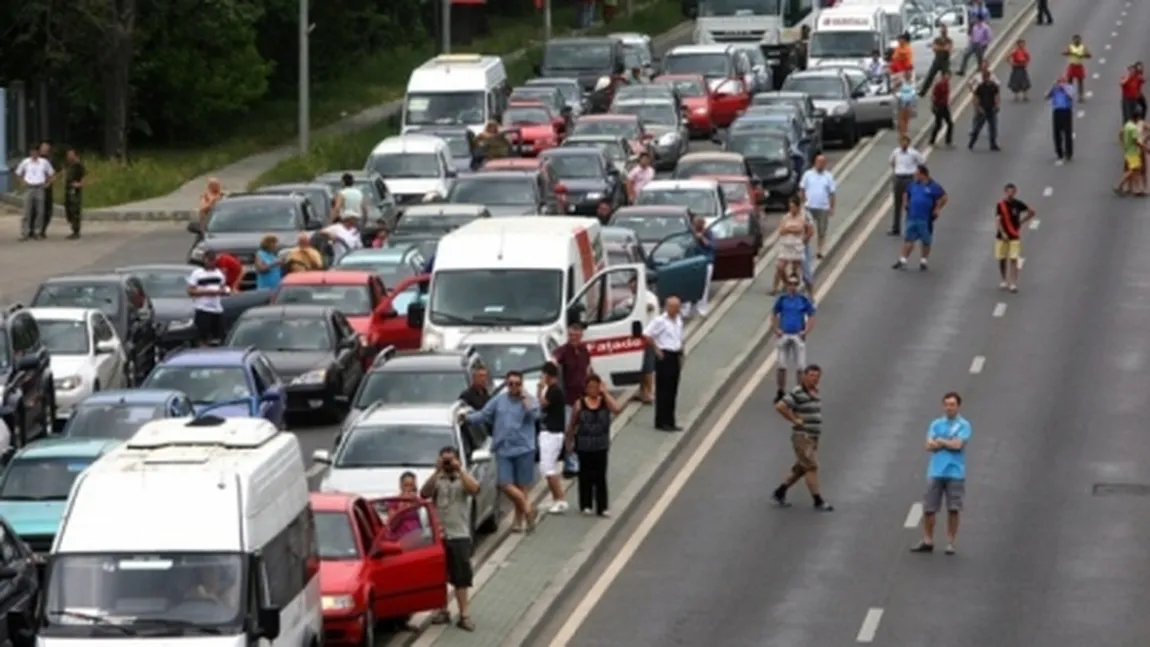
414 167
905 16
456 90
849 35
531 274
194 532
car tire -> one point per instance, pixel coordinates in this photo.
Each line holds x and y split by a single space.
852 135
369 626
491 524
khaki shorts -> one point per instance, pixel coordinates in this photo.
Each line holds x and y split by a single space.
806 453
1008 249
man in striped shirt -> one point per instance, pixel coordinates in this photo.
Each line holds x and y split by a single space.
803 408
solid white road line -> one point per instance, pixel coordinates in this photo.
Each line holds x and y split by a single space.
999 309
1047 192
1035 223
914 516
976 364
869 625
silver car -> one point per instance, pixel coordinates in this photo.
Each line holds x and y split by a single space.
761 80
615 148
834 100
572 93
876 105
666 125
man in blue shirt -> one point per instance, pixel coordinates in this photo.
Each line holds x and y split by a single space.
792 318
1061 97
924 201
704 240
946 440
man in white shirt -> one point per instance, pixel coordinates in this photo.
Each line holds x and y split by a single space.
665 334
817 189
346 234
639 177
206 286
349 201
904 162
35 173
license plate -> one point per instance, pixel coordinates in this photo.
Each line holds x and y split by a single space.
315 404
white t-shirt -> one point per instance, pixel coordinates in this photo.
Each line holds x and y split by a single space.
352 201
35 172
639 177
667 333
906 162
349 236
206 279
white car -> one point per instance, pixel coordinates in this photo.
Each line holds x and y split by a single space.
86 354
703 197
389 440
503 351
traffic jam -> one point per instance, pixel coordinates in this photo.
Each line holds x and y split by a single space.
147 491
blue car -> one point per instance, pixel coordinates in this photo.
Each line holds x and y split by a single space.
35 484
120 413
227 382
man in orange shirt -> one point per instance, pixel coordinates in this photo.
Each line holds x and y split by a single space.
902 59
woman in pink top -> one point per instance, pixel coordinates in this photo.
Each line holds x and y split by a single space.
401 509
639 177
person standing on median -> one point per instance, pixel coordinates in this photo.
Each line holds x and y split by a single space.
817 188
665 334
1061 97
904 161
940 107
803 408
925 200
574 362
792 318
704 245
450 488
946 441
512 416
589 435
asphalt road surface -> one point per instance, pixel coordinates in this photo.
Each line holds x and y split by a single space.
1052 550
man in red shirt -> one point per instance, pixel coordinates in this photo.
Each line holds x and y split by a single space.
940 106
1132 98
232 268
574 361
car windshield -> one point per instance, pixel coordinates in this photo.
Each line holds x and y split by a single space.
735 191
351 300
758 146
700 202
250 216
526 116
663 114
780 126
636 52
280 334
577 55
707 65
687 87
534 95
165 284
336 536
576 166
65 337
499 359
392 268
399 166
417 223
444 108
625 128
484 297
494 190
104 297
203 384
41 479
318 198
651 227
166 594
118 421
694 168
569 89
819 87
458 143
614 150
411 387
845 44
709 8
394 446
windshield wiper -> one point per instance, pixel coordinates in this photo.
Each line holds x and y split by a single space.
99 621
170 623
453 319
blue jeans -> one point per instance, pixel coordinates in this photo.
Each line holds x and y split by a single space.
808 271
571 462
516 470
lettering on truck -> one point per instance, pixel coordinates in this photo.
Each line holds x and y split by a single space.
844 21
615 346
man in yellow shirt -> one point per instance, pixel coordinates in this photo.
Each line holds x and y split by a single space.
304 257
1076 55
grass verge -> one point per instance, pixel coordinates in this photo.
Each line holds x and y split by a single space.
153 173
349 150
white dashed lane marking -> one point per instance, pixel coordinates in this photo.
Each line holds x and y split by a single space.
1089 94
1114 34
1034 224
1108 46
1102 61
1047 192
999 310
914 516
869 627
979 361
1081 114
1096 76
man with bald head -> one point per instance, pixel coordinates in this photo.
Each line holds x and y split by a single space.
666 336
304 257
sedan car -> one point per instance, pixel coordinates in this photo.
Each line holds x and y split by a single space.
591 184
629 127
572 94
702 107
785 123
417 377
702 197
229 382
504 351
648 91
382 209
437 219
388 440
810 140
711 163
465 155
768 156
322 196
85 352
834 100
874 99
548 95
615 148
801 101
119 414
391 264
533 127
354 293
506 193
665 126
653 223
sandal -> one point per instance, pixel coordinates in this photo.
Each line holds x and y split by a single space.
531 518
441 617
465 623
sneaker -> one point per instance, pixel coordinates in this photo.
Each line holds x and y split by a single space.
779 395
823 506
922 547
559 507
779 496
606 514
950 549
898 265
587 512
1013 289
922 266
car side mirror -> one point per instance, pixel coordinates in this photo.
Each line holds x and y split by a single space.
386 549
107 347
194 227
321 457
481 456
269 621
415 314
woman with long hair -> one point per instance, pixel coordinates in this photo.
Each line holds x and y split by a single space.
1019 82
589 435
794 232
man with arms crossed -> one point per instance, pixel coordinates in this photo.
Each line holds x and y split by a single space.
792 318
946 440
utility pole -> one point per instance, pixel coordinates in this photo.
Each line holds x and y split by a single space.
546 20
445 27
304 78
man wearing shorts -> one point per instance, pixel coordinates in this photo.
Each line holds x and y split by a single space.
817 189
206 286
552 423
1132 152
803 408
512 415
924 201
792 318
450 488
1076 55
1010 213
946 441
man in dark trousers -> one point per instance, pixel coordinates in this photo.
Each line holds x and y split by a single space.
942 47
987 100
574 361
1061 97
74 174
46 153
666 335
1044 17
940 106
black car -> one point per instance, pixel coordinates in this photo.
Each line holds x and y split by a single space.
382 208
19 589
239 222
465 153
124 301
28 398
812 118
166 284
615 148
423 225
322 196
593 185
590 60
654 223
768 155
314 350
506 193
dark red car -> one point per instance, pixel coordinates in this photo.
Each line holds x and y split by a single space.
389 320
533 127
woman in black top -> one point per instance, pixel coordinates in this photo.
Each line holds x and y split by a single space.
551 428
589 434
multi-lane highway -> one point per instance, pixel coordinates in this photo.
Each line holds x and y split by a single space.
1052 550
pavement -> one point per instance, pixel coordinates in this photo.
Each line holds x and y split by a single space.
1054 380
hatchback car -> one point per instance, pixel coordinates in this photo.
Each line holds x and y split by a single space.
533 127
507 193
87 355
591 184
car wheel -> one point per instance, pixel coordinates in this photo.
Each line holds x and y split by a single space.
369 626
852 136
491 524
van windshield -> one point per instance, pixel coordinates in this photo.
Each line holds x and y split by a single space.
444 108
845 44
155 594
739 8
483 297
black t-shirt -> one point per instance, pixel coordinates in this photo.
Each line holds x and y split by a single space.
76 173
987 95
1008 215
554 416
475 397
942 56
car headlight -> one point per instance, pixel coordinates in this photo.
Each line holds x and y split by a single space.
668 139
69 383
338 602
699 111
781 172
840 110
311 377
432 340
595 195
197 254
602 84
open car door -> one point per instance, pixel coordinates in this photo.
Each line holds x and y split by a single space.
412 572
729 99
614 318
389 322
736 248
684 277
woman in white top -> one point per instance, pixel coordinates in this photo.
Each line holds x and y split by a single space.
349 201
345 236
639 177
794 233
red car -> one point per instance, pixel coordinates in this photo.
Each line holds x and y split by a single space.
698 101
629 127
355 294
375 567
742 196
533 127
389 320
